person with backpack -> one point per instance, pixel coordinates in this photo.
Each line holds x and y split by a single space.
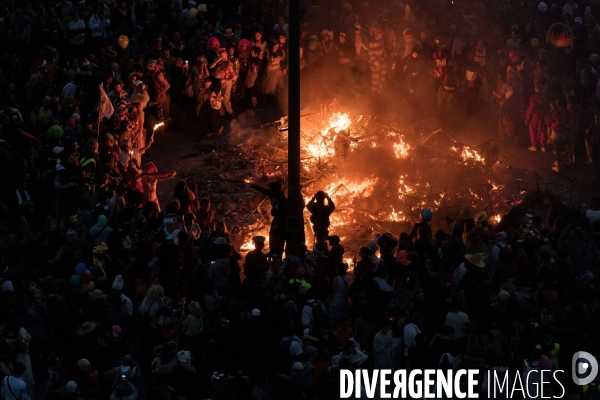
314 316
13 387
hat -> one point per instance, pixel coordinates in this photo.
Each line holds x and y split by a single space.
40 63
466 213
57 150
387 238
184 356
594 58
401 257
481 217
342 34
357 27
71 387
86 327
116 331
75 117
373 246
542 7
84 365
118 283
259 239
365 251
475 259
256 312
298 366
165 348
228 32
59 167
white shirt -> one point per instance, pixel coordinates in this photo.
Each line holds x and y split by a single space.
410 332
307 314
457 320
98 26
75 26
17 386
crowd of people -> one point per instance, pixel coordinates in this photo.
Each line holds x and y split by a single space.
107 291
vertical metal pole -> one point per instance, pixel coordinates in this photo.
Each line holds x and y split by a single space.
295 209
294 101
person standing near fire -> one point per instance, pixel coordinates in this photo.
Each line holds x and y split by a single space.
320 213
277 233
377 60
222 71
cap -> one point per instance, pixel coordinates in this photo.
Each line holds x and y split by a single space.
57 150
256 312
71 387
298 366
75 117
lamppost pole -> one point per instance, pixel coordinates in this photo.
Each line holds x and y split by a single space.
295 219
294 100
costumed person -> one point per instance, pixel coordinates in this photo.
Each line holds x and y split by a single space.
440 57
222 71
320 214
198 74
150 178
535 119
377 60
161 87
278 211
271 80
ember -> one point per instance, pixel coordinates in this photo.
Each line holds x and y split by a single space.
401 149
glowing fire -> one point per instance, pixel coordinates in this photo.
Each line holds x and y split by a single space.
338 122
468 154
401 149
159 125
249 244
342 188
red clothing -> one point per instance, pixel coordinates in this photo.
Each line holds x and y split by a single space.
535 118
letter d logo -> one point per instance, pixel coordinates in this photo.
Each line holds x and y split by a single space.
584 368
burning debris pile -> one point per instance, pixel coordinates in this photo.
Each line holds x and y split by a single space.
380 176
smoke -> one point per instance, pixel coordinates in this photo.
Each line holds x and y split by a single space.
243 133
